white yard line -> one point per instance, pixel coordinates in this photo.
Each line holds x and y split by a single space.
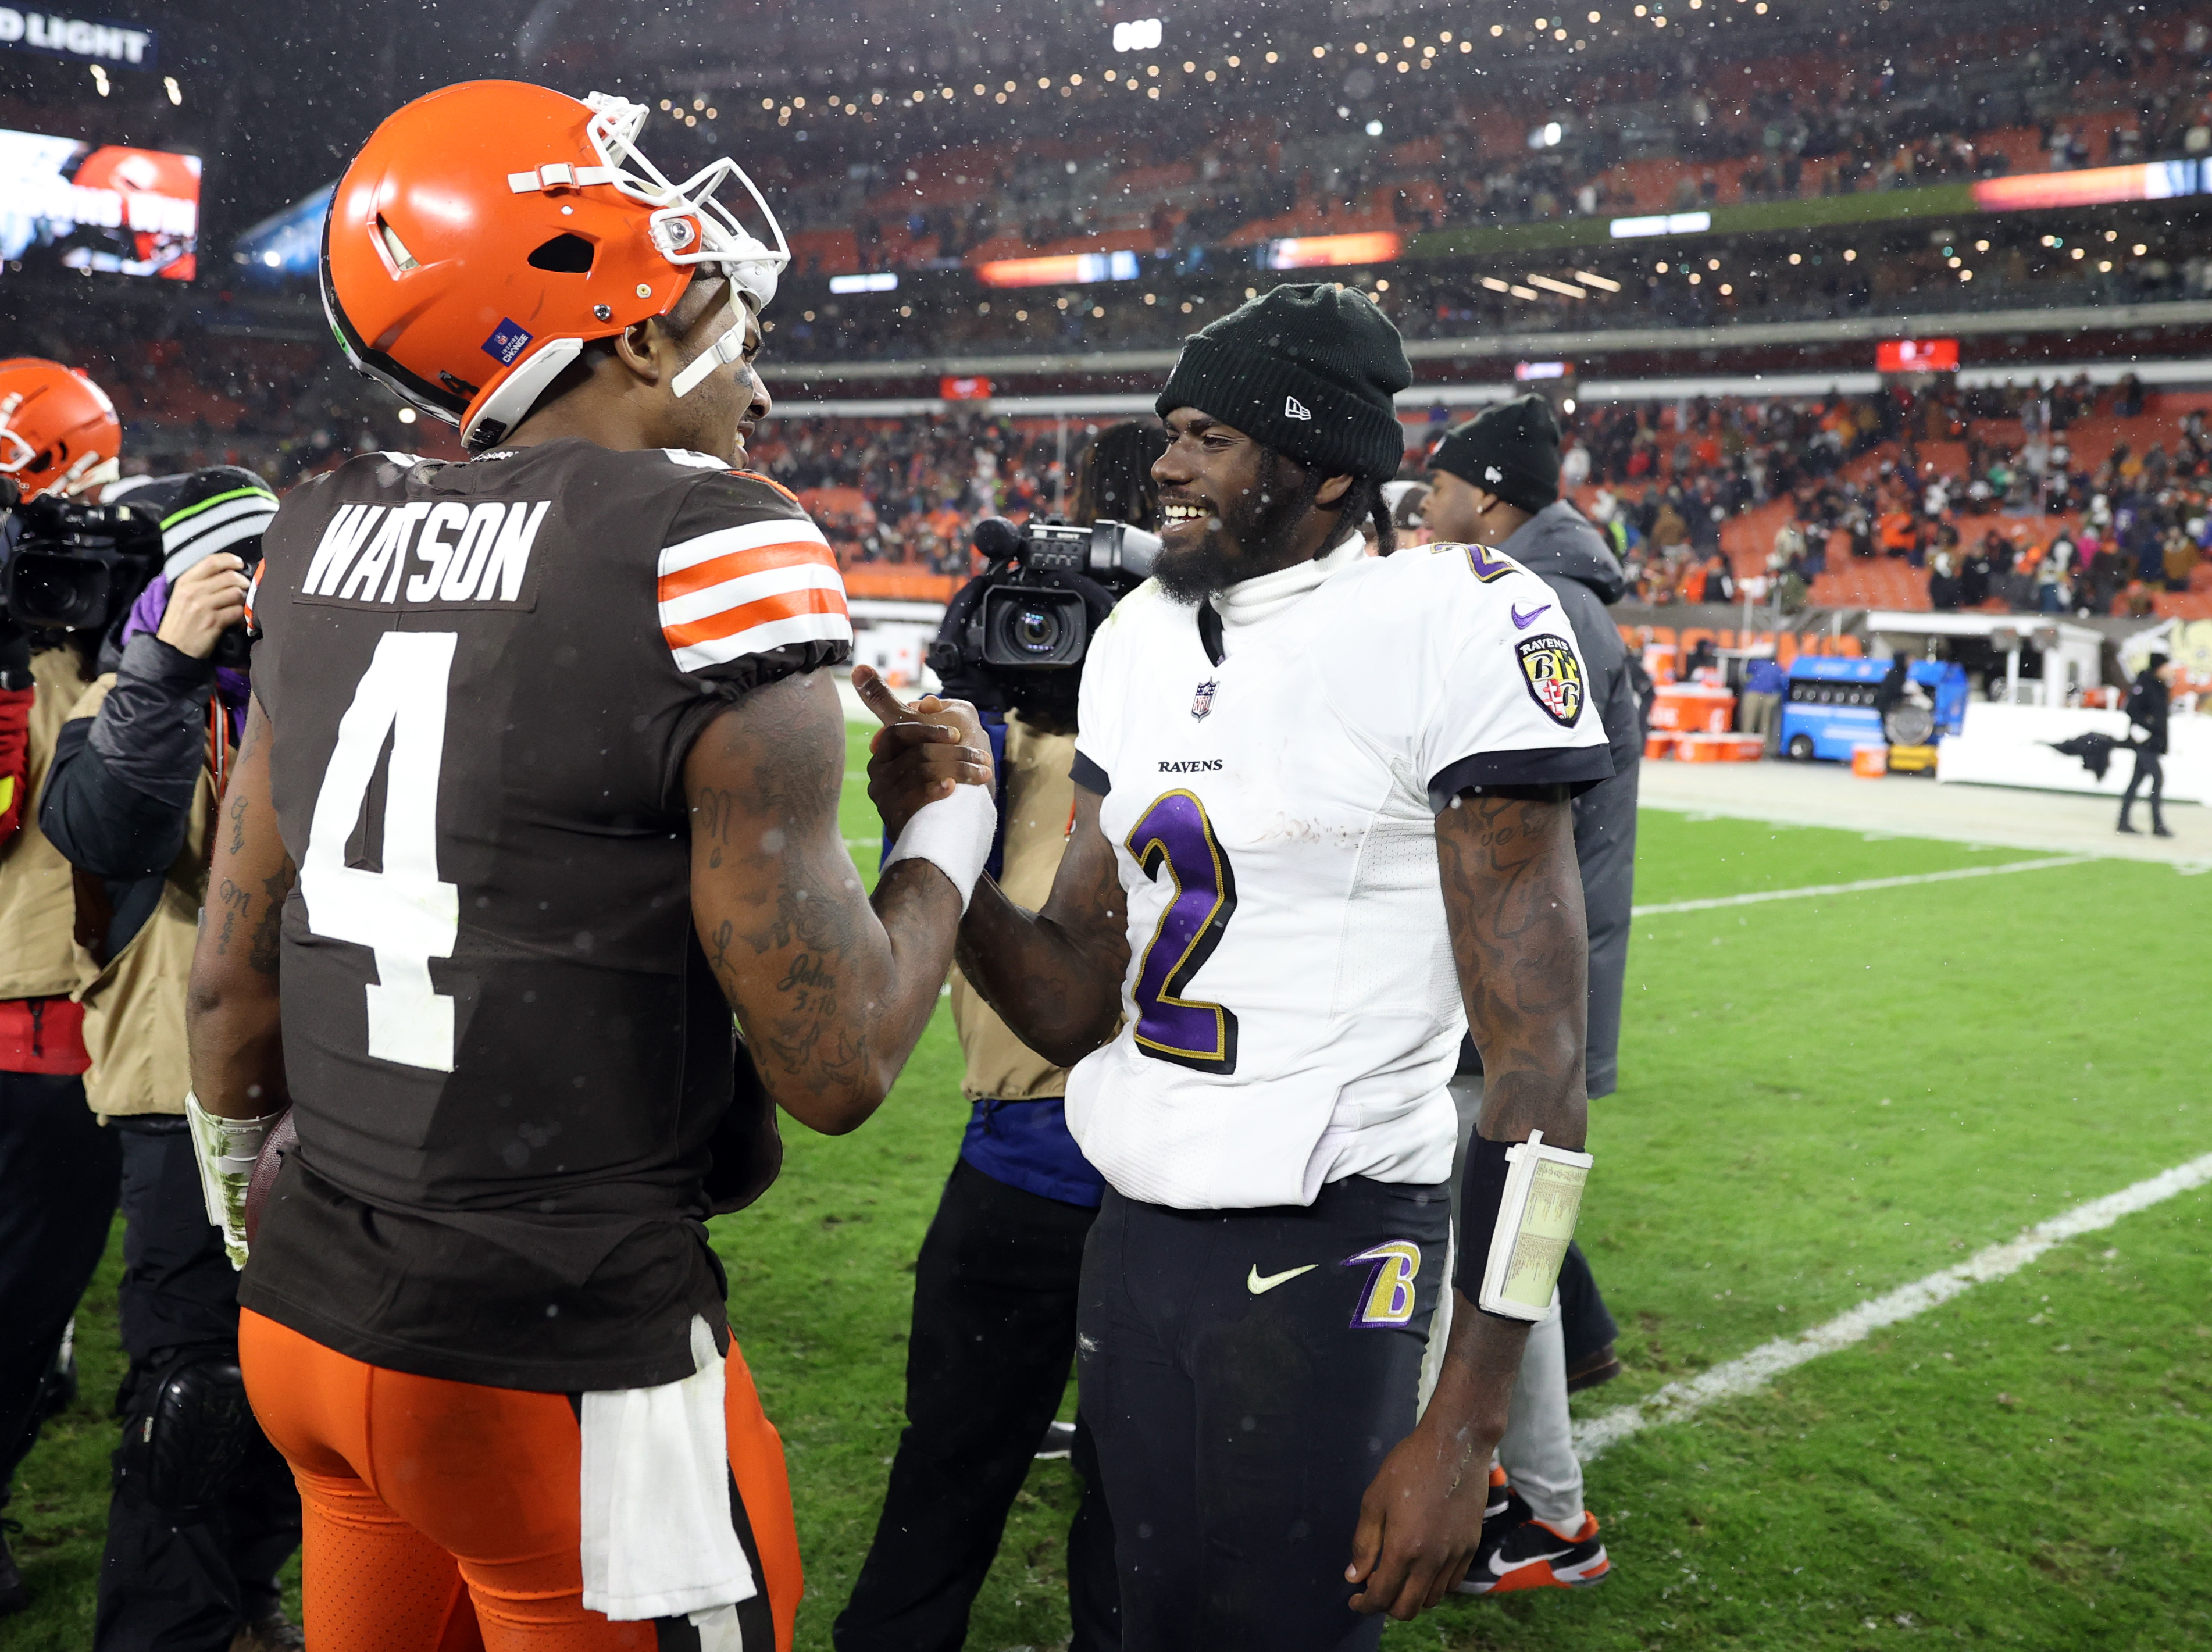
1754 898
1678 1401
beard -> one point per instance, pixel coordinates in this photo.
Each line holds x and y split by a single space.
1251 537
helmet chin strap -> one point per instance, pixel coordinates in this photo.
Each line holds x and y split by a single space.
730 347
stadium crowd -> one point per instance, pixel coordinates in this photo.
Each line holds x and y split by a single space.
1989 490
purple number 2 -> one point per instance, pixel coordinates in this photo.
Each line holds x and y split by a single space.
1170 1028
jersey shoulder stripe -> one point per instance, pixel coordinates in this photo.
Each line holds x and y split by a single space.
769 481
744 590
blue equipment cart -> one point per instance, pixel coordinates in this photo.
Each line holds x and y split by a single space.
1829 708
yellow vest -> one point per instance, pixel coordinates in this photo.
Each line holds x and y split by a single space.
134 1009
1039 804
39 954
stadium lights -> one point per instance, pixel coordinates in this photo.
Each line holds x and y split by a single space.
1143 35
1551 285
1669 223
176 93
1599 281
406 416
1525 293
99 79
880 282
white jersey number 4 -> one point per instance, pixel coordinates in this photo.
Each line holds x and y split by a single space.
404 913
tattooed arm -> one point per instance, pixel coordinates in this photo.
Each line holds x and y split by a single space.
1513 897
231 1007
832 988
1054 977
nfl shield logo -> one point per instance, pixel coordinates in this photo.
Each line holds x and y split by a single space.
1202 702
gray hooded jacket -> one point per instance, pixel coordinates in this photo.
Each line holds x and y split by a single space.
1559 545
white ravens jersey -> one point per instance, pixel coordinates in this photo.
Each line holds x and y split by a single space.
1292 1012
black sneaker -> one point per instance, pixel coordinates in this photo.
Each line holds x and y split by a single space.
1059 1441
273 1633
1504 1511
1599 1366
13 1597
1534 1556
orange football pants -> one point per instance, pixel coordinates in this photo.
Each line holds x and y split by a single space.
444 1516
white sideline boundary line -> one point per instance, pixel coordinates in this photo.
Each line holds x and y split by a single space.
1678 1401
1753 899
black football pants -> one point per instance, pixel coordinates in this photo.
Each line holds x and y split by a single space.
2148 766
58 1172
994 1299
1246 1372
171 1580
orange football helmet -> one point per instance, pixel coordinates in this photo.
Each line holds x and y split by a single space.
486 232
59 432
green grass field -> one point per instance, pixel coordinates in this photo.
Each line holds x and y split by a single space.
1824 1098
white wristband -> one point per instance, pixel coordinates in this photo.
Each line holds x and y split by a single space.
954 834
226 1150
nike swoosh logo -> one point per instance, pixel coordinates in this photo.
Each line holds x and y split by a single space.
1259 1283
1522 622
1528 1560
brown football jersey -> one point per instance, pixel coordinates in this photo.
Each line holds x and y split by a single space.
506 1052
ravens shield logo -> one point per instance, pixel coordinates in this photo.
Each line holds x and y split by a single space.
1554 676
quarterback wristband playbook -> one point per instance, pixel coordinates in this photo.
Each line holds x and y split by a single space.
953 834
226 1150
1525 1196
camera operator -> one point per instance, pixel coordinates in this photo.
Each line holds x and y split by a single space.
204 1511
59 439
994 1298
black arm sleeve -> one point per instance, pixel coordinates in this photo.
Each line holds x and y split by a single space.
120 792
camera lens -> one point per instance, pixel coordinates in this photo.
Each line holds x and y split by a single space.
1036 631
1028 626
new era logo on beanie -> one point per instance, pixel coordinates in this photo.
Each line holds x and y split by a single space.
1511 450
1310 369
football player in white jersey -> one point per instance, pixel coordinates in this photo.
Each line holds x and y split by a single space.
1322 827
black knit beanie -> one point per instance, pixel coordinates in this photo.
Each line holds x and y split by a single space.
1512 450
1310 370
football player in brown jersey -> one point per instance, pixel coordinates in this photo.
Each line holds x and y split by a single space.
540 782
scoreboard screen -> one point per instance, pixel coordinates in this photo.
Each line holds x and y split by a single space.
107 207
1918 356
